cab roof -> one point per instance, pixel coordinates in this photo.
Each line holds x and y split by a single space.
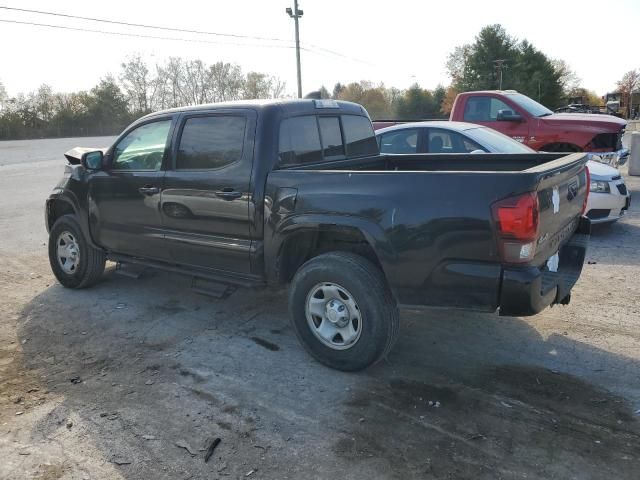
286 107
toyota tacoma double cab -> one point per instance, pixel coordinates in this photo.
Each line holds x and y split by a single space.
526 121
296 192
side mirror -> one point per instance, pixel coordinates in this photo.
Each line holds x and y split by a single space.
508 116
92 160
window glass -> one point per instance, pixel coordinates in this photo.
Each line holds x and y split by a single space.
531 106
142 148
399 141
496 142
299 141
211 142
359 136
331 137
446 141
483 109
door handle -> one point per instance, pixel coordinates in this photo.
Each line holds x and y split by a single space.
149 190
228 194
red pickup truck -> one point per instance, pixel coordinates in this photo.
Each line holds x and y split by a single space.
526 121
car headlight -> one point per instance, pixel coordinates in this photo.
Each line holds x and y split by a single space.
599 186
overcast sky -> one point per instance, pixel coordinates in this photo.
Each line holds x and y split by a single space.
396 42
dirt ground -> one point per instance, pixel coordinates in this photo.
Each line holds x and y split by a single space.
133 379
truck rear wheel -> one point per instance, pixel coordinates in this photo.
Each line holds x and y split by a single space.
343 311
74 262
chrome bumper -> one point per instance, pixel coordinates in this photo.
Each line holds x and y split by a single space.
615 159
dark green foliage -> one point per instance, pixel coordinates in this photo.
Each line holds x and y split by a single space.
524 68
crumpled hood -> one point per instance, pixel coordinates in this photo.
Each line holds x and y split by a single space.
609 122
600 171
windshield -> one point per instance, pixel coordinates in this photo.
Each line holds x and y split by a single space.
531 106
496 142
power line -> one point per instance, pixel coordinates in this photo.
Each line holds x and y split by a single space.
142 25
138 35
308 47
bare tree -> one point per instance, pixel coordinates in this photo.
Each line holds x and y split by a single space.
137 84
457 61
196 86
569 80
278 86
44 103
3 96
226 81
256 85
627 85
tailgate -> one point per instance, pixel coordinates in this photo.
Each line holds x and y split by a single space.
562 191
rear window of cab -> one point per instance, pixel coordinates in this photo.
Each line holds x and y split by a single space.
316 138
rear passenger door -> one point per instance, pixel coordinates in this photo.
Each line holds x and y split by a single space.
205 199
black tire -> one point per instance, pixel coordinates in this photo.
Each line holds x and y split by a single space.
376 305
90 265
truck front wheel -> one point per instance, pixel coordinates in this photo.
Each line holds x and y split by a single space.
343 311
75 263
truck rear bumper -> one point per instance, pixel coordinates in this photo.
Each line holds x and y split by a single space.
529 290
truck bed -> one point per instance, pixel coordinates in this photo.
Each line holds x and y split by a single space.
430 216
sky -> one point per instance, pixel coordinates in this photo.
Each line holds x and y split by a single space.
397 42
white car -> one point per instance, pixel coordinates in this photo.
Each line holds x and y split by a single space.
608 200
609 197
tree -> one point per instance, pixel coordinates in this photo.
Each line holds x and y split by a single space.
324 93
478 68
417 103
456 63
438 96
256 85
3 96
169 84
497 59
137 84
43 102
337 90
588 97
626 86
196 87
449 97
277 87
536 76
227 81
373 99
106 107
568 79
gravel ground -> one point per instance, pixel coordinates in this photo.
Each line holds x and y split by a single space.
132 379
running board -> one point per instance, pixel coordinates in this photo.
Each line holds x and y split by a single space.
225 278
211 289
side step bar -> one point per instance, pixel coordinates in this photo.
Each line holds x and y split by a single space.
225 278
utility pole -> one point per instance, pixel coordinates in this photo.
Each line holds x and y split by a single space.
296 13
498 66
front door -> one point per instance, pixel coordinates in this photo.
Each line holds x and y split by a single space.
124 198
484 110
205 200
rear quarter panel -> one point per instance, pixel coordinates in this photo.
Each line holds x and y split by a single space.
432 231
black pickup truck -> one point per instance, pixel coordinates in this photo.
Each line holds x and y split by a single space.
266 193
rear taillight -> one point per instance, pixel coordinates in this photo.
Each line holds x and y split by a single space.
588 188
516 220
